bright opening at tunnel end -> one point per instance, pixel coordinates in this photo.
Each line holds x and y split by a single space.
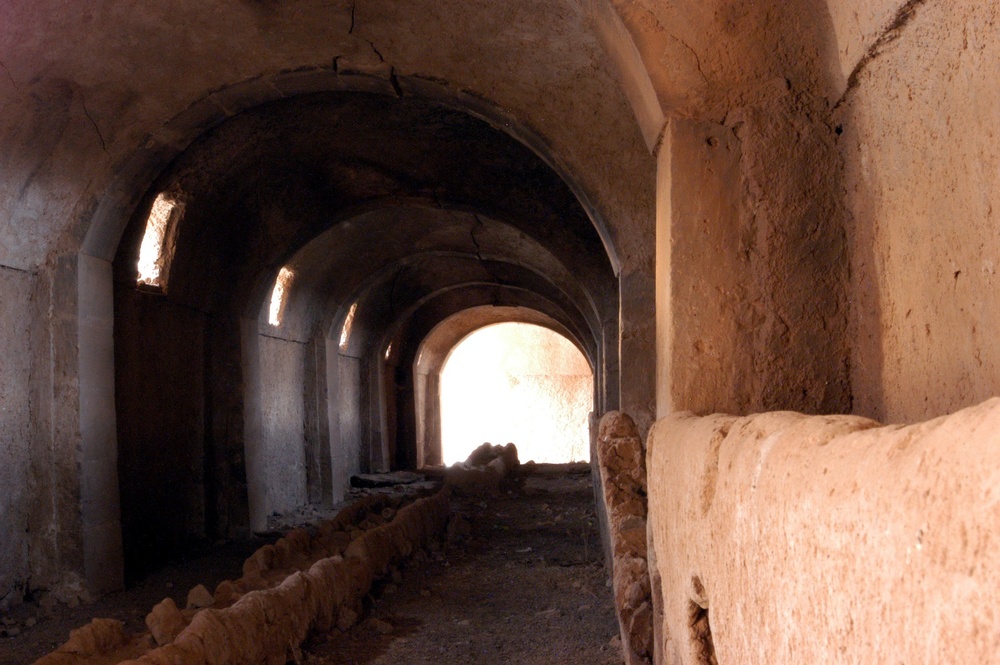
520 383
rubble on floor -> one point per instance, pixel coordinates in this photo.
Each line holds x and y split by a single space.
487 469
306 581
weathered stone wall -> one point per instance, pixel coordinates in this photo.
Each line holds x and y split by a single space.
350 452
784 538
15 368
921 175
751 261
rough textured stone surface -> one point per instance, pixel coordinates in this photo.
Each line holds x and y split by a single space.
86 141
783 538
736 240
91 643
165 622
621 459
825 237
199 597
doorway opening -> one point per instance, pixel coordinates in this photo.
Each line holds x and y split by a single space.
520 383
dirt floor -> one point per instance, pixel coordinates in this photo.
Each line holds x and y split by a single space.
522 581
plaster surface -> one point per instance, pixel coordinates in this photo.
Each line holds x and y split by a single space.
921 182
94 112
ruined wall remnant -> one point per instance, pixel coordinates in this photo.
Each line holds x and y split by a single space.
304 582
621 460
784 538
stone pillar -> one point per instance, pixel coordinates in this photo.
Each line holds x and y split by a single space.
99 507
701 285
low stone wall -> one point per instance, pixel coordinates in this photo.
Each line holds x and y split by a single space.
300 584
622 463
783 538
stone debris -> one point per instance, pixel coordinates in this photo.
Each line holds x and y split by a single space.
487 469
621 459
165 622
302 583
199 597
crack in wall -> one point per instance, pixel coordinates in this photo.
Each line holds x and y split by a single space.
891 33
4 266
394 82
479 251
10 76
283 339
392 78
86 112
697 59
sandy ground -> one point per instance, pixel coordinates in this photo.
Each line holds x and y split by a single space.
525 583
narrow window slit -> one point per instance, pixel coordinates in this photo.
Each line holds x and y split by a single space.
153 252
279 296
345 333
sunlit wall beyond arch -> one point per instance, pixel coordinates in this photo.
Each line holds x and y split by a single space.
517 382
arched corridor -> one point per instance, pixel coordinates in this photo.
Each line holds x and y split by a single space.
222 403
240 238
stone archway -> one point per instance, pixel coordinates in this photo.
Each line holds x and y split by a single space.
433 355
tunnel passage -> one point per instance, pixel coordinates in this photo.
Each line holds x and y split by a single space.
382 217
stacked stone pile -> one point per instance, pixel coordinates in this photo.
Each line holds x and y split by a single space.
623 477
302 583
485 471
